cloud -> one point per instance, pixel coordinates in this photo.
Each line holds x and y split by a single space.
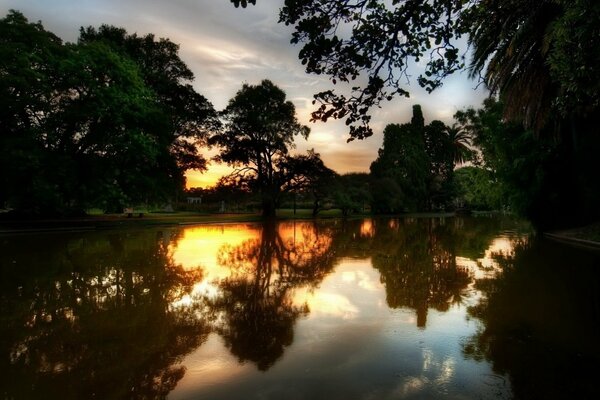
226 47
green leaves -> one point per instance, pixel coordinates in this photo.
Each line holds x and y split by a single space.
347 39
106 122
259 129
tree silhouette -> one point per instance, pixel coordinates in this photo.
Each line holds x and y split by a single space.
259 313
538 55
103 123
460 142
260 126
93 317
308 174
541 333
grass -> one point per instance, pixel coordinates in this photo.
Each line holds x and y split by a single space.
110 221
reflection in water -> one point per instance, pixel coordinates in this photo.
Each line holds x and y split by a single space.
540 321
85 317
333 309
418 265
258 313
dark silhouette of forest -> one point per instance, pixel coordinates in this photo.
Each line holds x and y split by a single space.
112 121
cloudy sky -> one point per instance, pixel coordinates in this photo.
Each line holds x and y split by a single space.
226 47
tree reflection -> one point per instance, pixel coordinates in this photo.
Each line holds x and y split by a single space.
417 262
258 313
539 321
92 317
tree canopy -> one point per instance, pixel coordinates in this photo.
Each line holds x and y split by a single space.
106 122
415 166
259 129
539 55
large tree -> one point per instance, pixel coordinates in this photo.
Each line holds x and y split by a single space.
530 175
403 160
414 168
190 117
106 122
539 54
259 129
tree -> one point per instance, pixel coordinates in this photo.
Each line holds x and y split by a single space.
308 174
188 117
28 63
477 188
259 130
402 159
539 54
460 144
440 161
533 173
91 125
352 192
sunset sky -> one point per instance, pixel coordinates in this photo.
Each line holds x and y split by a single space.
226 47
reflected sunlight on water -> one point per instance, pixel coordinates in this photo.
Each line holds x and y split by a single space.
374 308
350 298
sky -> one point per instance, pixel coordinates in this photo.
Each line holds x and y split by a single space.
226 47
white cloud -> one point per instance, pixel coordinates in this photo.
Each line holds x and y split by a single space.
225 47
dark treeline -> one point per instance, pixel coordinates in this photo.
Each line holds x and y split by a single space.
539 57
108 121
112 121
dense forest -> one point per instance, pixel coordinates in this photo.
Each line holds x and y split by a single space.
112 121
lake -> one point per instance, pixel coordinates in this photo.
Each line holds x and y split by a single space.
410 308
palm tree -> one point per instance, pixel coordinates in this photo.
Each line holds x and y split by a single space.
511 41
459 140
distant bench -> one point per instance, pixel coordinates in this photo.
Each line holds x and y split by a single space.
130 211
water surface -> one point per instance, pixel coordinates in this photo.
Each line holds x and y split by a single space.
455 308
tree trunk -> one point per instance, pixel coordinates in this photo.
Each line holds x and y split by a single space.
268 207
316 208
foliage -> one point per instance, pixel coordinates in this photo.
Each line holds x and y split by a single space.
403 159
415 166
259 130
477 188
308 174
352 192
347 39
440 160
189 115
552 181
539 55
91 125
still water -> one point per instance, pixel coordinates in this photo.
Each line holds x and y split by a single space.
457 308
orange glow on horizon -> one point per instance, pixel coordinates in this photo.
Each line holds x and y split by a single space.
195 178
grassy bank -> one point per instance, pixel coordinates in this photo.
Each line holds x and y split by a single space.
117 221
111 221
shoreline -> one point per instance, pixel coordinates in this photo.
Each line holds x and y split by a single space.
586 237
121 221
